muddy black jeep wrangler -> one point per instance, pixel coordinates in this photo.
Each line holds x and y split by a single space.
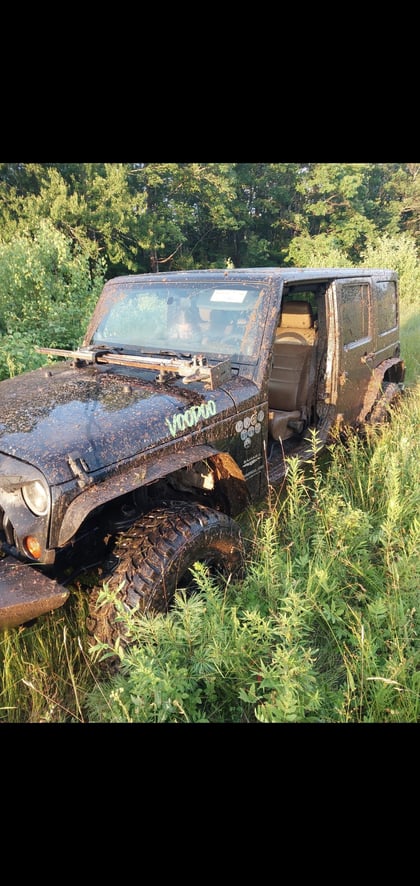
187 396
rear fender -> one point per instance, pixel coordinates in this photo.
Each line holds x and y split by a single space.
394 370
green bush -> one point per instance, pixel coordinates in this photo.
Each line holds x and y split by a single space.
400 254
320 251
47 293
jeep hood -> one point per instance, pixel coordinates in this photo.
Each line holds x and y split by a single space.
99 415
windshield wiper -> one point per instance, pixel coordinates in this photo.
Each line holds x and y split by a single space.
181 355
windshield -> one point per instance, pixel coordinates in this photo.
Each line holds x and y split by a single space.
180 318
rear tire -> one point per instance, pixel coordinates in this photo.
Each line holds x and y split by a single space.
387 399
155 556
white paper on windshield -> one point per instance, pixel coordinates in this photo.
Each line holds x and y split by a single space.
236 296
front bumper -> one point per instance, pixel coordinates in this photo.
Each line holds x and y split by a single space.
25 593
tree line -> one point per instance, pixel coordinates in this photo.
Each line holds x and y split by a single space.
168 216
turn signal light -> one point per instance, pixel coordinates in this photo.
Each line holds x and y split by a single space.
33 546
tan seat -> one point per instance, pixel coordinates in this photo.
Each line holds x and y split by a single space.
296 323
291 374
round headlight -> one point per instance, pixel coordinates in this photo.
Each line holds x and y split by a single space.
36 498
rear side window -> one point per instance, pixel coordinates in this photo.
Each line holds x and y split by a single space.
387 305
355 312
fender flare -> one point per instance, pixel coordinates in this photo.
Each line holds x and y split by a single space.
148 471
378 375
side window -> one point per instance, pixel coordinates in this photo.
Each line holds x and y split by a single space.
387 305
355 312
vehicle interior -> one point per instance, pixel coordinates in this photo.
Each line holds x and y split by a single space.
294 365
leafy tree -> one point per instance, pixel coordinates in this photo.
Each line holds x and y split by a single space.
402 190
140 217
47 293
265 210
90 203
336 201
189 210
345 208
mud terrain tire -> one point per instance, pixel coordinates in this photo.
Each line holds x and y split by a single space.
155 556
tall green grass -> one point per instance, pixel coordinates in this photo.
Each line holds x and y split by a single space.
324 628
410 338
45 670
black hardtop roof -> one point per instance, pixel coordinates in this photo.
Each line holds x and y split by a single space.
288 275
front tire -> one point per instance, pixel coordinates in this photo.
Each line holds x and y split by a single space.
155 557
